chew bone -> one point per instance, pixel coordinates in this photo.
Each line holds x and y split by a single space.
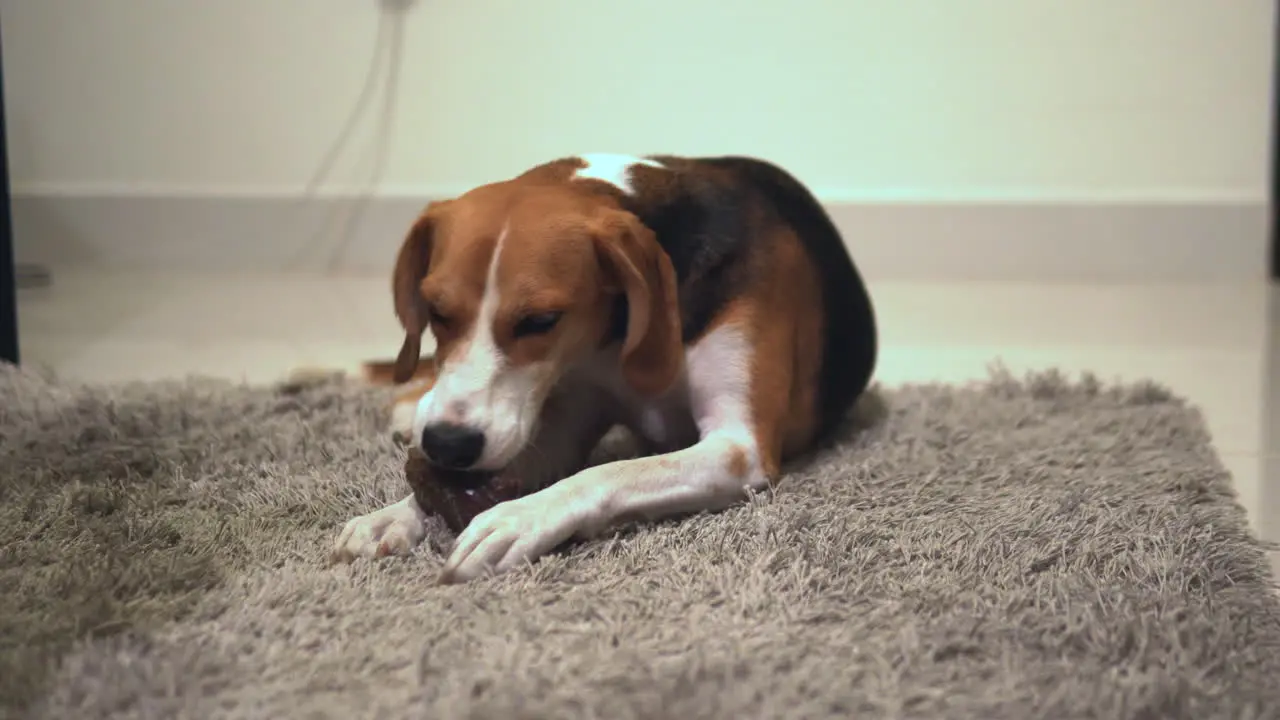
458 496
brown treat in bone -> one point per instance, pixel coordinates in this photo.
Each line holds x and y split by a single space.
458 495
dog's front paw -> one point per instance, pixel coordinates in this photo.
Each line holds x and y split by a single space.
508 535
394 530
401 423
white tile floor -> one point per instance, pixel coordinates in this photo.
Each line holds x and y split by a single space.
1217 345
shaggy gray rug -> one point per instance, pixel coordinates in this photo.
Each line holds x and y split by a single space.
1011 549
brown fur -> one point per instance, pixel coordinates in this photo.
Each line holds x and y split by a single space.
652 353
411 265
782 317
566 250
738 463
569 247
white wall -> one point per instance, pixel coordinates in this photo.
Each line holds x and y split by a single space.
942 99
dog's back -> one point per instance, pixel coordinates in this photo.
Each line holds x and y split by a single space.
719 215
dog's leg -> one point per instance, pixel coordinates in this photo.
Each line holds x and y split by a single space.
399 527
404 406
741 399
571 424
407 395
381 373
370 372
393 530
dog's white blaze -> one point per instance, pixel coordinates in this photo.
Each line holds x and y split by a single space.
460 389
481 362
477 388
612 168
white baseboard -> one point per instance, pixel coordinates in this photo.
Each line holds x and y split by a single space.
1031 241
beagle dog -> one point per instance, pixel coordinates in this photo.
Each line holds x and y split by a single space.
709 305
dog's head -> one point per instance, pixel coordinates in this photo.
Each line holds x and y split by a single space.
518 283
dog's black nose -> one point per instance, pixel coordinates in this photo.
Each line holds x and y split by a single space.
451 445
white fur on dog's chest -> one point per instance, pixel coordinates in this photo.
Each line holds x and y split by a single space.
655 424
667 424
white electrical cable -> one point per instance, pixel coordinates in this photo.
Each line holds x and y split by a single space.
362 102
382 138
310 191
390 23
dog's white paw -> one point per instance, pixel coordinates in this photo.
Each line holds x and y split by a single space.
394 530
401 425
513 533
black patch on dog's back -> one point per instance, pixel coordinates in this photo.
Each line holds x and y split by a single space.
708 219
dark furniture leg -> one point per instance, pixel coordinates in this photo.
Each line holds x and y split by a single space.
1273 194
8 272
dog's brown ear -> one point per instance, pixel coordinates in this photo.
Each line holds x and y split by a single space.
412 263
652 352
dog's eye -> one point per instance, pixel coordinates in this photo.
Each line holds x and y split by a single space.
537 324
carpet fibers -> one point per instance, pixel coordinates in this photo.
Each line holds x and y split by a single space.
1017 548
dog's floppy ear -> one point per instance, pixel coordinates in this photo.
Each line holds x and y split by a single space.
652 352
412 263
